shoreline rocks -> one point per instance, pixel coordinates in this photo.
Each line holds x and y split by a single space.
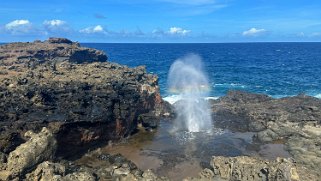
73 91
245 168
84 101
295 121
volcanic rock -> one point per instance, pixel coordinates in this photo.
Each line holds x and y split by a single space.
73 91
38 148
295 121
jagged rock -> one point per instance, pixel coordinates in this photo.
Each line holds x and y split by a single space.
148 175
243 168
38 148
47 171
79 176
121 171
59 40
29 55
148 120
295 121
204 175
72 89
241 111
247 168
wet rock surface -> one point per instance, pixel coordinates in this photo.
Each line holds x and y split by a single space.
295 121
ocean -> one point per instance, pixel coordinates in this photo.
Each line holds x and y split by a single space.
275 69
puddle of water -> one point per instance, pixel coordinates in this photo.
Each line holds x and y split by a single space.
182 154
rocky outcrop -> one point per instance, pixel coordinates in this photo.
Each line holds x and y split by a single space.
245 168
106 167
28 55
25 157
47 171
242 111
73 91
294 121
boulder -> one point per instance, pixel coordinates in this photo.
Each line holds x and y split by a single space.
47 171
40 147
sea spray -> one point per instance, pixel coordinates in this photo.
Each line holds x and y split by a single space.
187 79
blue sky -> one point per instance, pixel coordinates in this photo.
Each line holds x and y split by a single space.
161 20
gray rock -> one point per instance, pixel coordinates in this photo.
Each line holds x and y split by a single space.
47 171
40 147
121 171
251 169
79 176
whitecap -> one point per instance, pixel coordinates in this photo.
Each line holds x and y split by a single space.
318 96
172 98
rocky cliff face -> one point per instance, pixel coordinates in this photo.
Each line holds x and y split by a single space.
71 90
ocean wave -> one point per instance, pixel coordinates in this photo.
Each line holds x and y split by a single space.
317 96
229 85
174 98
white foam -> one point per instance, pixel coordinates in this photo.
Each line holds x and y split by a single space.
211 98
229 85
174 98
318 96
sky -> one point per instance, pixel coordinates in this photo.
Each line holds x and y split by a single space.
161 21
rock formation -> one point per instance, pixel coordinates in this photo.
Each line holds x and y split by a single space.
245 168
295 121
73 91
40 147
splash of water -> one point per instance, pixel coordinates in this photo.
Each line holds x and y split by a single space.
187 79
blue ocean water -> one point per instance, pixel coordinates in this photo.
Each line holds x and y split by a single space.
276 69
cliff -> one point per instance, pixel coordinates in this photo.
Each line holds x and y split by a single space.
72 90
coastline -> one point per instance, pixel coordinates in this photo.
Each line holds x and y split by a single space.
83 102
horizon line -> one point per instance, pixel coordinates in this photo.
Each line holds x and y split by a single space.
178 42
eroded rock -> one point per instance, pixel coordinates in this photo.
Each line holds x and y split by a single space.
47 171
40 147
59 84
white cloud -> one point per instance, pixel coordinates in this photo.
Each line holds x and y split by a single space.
254 32
95 29
56 25
178 31
18 26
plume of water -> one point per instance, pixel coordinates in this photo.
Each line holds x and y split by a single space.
187 79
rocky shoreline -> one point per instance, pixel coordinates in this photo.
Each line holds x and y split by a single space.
60 101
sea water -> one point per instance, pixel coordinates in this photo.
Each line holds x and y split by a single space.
275 69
